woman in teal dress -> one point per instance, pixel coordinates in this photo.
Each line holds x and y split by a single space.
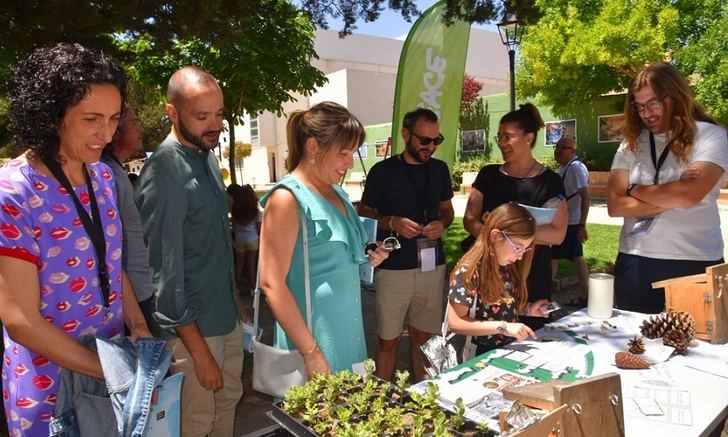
321 141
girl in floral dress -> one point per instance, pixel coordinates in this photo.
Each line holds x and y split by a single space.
494 272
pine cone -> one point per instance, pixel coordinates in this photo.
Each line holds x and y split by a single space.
677 339
657 326
637 346
626 360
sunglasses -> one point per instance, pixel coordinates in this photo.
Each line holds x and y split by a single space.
518 250
427 140
389 244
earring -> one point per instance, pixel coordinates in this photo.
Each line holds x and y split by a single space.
312 161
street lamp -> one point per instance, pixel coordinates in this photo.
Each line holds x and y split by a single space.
511 32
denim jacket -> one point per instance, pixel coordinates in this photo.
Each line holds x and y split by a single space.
87 406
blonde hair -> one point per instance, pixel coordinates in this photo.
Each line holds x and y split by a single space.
513 220
329 123
665 80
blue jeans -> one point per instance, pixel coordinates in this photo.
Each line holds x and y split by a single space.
87 406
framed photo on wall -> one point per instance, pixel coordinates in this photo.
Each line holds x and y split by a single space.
363 151
380 148
472 140
610 128
557 129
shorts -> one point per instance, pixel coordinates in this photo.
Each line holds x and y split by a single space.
250 246
571 247
403 292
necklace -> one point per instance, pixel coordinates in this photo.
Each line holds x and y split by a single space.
503 169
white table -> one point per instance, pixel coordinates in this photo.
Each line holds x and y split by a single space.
705 394
708 392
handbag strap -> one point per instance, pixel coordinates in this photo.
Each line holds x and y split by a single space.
471 314
307 284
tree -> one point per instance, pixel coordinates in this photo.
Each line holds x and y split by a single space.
705 62
471 92
583 49
260 63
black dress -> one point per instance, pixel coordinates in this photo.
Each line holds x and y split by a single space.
498 188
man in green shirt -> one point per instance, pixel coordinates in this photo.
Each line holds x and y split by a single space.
183 205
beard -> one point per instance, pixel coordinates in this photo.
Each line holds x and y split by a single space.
414 152
195 139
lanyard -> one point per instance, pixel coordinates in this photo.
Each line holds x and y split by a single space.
93 226
663 156
423 191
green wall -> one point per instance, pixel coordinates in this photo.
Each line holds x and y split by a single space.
598 156
586 116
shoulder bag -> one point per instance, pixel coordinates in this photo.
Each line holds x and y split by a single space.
276 370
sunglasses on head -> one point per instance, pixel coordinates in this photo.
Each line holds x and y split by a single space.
427 140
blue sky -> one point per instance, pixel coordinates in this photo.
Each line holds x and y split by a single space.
391 24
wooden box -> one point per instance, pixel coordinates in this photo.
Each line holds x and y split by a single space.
590 407
705 296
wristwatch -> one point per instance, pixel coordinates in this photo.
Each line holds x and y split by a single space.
630 188
502 328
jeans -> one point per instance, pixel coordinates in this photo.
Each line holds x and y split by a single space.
120 406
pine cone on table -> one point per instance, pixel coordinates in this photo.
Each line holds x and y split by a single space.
626 360
636 346
657 326
677 339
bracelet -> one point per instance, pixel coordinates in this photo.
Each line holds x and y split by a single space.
310 351
502 328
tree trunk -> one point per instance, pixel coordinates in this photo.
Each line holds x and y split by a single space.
231 150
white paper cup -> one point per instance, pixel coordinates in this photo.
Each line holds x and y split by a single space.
601 295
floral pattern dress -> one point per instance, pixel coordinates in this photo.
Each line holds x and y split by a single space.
39 224
504 310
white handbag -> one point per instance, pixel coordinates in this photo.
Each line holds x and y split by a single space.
276 370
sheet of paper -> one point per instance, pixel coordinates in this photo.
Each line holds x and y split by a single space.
428 259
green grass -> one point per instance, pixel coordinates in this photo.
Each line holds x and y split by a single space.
600 250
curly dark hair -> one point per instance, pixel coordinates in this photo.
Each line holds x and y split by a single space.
45 84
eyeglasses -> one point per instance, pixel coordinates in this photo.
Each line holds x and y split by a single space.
517 250
506 137
652 104
427 140
389 244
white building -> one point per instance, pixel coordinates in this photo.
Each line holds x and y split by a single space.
361 72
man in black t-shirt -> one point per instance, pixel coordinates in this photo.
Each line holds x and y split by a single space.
410 196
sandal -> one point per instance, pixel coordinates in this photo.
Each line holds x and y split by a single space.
579 302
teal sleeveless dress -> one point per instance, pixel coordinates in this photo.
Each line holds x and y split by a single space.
336 249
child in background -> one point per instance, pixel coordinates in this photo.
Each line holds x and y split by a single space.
246 226
495 270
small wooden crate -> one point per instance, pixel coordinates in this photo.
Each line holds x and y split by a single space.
705 296
590 407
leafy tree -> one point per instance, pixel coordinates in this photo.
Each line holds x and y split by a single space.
706 64
260 64
583 49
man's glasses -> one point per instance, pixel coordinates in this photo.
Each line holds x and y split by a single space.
652 104
427 140
389 244
516 249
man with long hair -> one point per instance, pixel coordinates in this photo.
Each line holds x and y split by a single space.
665 181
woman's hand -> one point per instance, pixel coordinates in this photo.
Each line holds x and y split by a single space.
315 362
139 330
519 331
376 257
